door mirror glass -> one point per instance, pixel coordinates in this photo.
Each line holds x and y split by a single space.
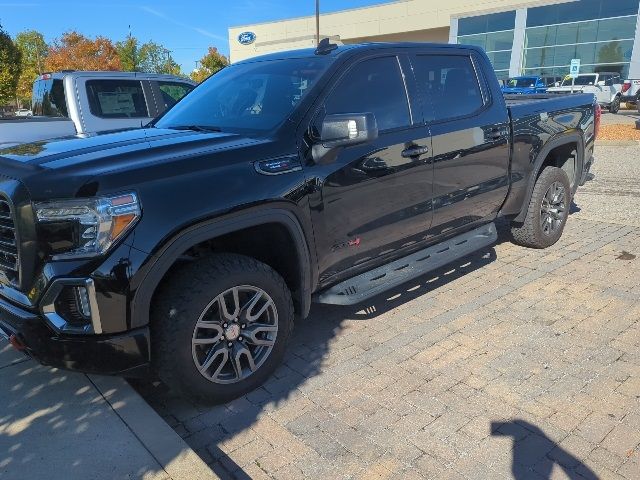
344 130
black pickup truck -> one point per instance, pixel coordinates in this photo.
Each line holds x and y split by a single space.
186 249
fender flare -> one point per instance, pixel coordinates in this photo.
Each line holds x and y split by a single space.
564 139
172 249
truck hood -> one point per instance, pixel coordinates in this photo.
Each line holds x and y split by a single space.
72 161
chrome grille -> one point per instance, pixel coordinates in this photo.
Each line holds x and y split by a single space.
9 257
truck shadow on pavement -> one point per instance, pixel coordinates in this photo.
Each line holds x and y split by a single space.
534 453
224 435
213 430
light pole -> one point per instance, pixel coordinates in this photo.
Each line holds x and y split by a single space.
317 22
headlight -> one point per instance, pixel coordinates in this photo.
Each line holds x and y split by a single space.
92 223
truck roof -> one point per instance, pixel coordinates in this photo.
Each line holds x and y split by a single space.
343 49
112 74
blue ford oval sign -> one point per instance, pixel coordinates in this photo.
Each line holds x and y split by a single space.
247 38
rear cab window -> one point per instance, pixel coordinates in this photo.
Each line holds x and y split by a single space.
48 98
117 98
450 86
171 93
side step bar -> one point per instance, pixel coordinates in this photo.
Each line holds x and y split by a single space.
386 277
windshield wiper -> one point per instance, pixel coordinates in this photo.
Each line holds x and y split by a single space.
198 128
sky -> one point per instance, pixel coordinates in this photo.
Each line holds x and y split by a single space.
186 27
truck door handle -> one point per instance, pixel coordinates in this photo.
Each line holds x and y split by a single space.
414 151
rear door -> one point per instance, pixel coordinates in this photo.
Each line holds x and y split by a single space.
470 139
374 200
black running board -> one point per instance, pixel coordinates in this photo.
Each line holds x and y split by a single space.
386 277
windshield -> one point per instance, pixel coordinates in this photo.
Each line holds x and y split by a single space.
580 80
521 82
247 98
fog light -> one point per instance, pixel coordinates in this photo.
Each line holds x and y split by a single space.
82 301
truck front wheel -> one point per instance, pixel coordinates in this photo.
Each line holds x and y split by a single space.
220 327
548 211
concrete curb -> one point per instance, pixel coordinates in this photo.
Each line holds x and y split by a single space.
163 443
617 143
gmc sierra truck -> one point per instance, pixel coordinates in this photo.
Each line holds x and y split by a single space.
186 249
75 102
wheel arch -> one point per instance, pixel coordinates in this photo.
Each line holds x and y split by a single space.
542 159
172 250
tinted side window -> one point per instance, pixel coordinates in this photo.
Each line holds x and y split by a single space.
172 92
373 86
116 99
450 85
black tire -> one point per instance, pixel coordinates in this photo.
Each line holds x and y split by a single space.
531 233
182 300
615 105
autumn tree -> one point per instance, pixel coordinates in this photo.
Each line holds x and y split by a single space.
34 51
212 62
74 51
9 68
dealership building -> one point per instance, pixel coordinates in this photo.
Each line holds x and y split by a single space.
537 37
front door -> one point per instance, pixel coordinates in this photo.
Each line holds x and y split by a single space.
470 140
374 200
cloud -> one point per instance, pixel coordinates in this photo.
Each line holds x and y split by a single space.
199 30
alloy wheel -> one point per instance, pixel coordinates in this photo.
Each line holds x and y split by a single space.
235 334
553 209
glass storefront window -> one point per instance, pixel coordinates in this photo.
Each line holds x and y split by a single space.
500 60
541 36
616 28
499 41
493 22
601 45
578 11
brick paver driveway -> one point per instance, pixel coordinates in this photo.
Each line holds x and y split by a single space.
513 363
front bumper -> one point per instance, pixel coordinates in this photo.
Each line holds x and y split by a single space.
125 354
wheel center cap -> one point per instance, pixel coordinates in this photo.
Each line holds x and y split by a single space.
232 332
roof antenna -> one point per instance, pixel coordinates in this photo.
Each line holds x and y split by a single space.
324 47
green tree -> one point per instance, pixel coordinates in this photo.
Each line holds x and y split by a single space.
129 53
9 68
34 51
154 58
212 62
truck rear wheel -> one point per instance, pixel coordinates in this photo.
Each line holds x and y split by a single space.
220 327
548 211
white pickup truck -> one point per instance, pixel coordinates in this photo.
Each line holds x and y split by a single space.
73 102
606 86
631 93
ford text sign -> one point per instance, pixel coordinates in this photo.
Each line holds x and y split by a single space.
247 38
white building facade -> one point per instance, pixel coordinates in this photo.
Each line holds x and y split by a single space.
536 37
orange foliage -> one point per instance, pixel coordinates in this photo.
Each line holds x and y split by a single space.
74 51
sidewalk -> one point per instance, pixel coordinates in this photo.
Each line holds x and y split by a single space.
56 424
